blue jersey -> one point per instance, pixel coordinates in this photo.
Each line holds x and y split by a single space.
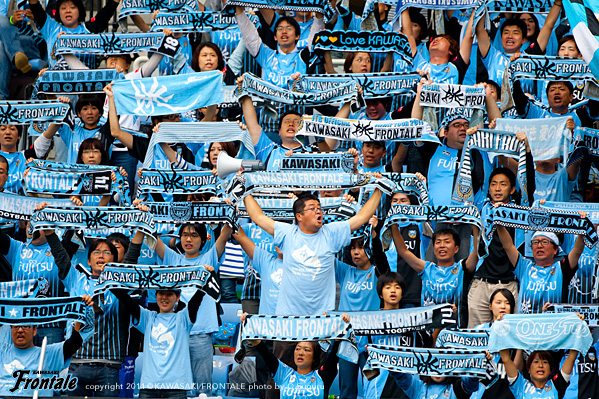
580 289
270 268
14 359
535 111
418 389
442 284
166 362
308 286
441 170
272 154
443 73
278 67
524 389
294 385
16 167
554 187
539 285
50 32
74 138
207 319
30 261
358 288
227 40
583 380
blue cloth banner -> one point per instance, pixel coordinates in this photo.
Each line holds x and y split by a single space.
403 130
115 43
162 95
203 132
463 339
537 67
374 85
539 219
139 7
248 182
297 329
402 321
94 218
374 42
452 96
431 362
152 277
21 288
342 93
27 112
36 311
76 82
18 207
533 332
548 138
176 182
317 6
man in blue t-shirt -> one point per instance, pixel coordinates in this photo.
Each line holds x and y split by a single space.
443 281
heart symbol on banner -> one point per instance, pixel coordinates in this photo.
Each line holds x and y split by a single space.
324 38
333 39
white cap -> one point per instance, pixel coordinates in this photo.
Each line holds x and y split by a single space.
551 236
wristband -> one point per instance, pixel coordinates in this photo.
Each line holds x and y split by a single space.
10 20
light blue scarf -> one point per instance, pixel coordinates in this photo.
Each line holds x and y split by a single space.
401 130
26 112
535 332
590 312
463 339
76 82
452 96
36 311
176 182
18 207
115 43
162 95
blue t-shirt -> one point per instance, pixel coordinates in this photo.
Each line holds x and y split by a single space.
581 287
207 319
524 389
270 268
50 32
226 40
16 167
271 153
442 284
539 285
415 388
14 359
74 138
554 187
30 261
308 285
278 67
444 73
294 385
166 359
441 170
358 288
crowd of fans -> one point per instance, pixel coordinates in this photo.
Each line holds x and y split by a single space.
292 268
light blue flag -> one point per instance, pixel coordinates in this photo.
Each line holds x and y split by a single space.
166 95
548 137
583 18
535 332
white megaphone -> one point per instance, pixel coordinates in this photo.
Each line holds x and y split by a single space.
225 165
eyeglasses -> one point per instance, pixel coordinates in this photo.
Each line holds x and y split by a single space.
294 122
24 328
313 209
541 242
93 151
460 125
287 28
192 235
97 252
173 117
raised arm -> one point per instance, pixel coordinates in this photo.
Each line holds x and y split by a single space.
250 35
472 259
552 17
482 37
466 45
400 245
508 245
406 29
568 365
362 217
115 128
576 251
246 243
249 115
510 367
255 213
